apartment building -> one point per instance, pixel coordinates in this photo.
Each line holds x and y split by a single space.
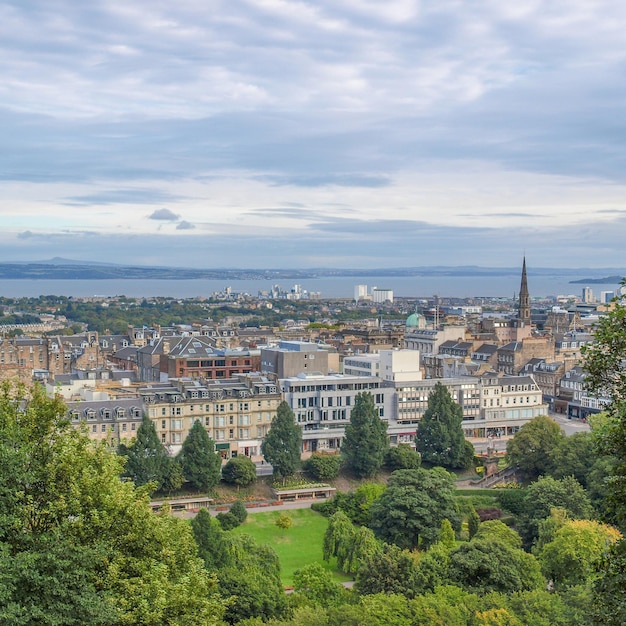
237 413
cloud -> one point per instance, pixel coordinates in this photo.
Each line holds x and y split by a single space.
183 225
27 234
123 196
164 215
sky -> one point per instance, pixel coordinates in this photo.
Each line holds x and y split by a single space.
295 134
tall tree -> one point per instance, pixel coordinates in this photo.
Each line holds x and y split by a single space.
146 456
439 437
365 442
532 447
410 512
283 443
201 464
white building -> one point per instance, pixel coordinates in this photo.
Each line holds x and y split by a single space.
360 293
380 296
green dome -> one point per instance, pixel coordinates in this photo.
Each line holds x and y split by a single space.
413 320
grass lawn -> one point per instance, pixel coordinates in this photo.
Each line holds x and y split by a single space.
299 545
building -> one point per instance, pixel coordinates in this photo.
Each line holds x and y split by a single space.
507 403
236 413
323 405
380 296
291 358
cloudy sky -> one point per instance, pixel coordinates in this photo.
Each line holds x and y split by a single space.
290 134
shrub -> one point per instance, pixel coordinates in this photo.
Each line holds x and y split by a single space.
323 465
238 509
227 520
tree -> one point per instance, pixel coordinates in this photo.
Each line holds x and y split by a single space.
546 494
365 441
410 511
390 570
284 522
240 471
211 540
283 443
578 547
439 437
77 544
200 463
473 522
147 460
402 456
316 584
574 456
531 448
323 465
238 509
487 565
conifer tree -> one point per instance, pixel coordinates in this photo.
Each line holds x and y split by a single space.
366 442
439 437
283 443
201 464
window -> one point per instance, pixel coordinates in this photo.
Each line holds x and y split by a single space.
163 424
177 424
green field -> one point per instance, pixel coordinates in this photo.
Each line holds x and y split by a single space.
299 545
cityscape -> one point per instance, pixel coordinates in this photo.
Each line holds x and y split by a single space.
312 313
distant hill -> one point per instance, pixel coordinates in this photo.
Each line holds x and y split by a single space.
69 269
606 280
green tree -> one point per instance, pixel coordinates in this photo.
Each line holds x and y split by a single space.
446 534
402 456
200 463
284 522
439 438
484 566
147 460
578 547
574 456
410 511
323 465
212 543
531 448
317 585
365 441
238 509
473 522
283 443
240 471
605 364
77 544
390 570
546 494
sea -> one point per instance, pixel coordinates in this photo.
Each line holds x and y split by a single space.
328 287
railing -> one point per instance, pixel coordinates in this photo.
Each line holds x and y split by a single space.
499 477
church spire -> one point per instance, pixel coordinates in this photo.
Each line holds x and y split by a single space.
524 298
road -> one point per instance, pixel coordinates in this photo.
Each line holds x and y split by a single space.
570 426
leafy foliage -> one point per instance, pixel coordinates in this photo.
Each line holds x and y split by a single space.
531 448
365 441
240 471
323 465
402 456
410 511
77 544
439 438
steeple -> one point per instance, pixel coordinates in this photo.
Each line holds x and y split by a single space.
524 299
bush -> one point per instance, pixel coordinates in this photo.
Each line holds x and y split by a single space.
403 456
240 471
227 520
238 509
323 465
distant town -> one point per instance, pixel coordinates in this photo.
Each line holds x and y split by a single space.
229 359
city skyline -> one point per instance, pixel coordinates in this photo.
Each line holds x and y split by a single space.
292 134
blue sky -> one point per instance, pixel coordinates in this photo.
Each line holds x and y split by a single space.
279 133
